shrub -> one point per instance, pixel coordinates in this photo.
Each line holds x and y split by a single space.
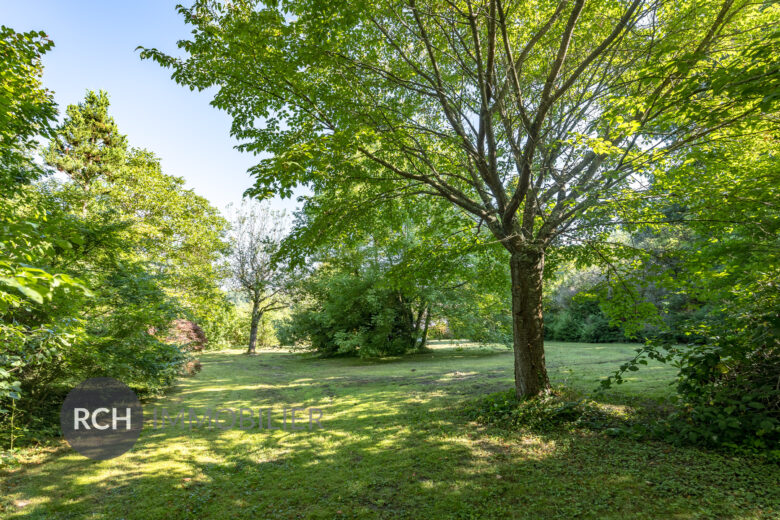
728 390
346 314
730 397
188 334
544 413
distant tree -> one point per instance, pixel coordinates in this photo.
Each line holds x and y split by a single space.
256 235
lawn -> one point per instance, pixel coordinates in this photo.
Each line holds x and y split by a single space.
393 444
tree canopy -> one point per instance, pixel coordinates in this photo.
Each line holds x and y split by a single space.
529 117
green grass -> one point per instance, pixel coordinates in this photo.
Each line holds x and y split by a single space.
394 445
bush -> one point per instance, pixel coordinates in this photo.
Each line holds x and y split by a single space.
728 390
188 334
730 398
346 314
580 321
545 413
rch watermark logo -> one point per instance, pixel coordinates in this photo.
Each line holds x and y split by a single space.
102 418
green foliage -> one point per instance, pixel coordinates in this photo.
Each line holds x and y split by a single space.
572 311
563 326
177 232
476 311
95 269
545 413
539 119
725 344
227 326
27 110
730 396
351 314
88 145
421 262
37 299
150 250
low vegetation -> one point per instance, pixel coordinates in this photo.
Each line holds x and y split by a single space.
396 443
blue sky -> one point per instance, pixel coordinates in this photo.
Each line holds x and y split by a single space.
95 45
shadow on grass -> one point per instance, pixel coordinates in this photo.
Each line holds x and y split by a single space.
394 445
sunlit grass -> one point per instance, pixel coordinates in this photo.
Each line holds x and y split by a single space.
393 445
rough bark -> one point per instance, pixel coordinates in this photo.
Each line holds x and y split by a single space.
527 267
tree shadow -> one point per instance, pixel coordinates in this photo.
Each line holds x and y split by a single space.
393 445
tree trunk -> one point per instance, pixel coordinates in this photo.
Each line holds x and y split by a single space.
527 267
253 329
424 342
417 325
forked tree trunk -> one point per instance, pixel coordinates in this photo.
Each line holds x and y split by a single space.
527 267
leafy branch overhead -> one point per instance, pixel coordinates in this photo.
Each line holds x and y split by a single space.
523 115
533 118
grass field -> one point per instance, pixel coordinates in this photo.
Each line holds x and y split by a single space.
393 445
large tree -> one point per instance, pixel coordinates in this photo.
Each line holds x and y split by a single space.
528 116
